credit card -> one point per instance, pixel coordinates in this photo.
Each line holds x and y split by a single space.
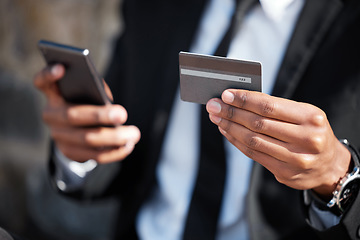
203 77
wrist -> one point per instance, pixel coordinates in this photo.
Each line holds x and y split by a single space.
342 166
348 187
345 191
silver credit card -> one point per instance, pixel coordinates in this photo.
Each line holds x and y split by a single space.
203 77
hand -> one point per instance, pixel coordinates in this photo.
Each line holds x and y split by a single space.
78 130
293 140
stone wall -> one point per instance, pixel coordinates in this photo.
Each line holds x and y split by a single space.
28 206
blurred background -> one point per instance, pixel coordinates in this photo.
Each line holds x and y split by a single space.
28 205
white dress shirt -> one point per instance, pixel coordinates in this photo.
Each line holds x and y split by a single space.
263 37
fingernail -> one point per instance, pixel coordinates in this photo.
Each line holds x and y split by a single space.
115 116
223 132
55 70
129 146
228 97
215 119
213 106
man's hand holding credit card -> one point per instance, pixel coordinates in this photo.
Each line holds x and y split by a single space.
276 132
203 77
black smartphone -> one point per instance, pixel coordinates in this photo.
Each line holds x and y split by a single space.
81 83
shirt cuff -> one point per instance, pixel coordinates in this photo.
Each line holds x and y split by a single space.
71 175
320 216
322 219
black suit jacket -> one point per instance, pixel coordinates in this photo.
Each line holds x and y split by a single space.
321 67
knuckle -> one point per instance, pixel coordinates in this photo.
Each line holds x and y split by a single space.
267 108
318 118
258 124
225 125
305 161
253 142
96 116
249 152
241 98
316 142
230 112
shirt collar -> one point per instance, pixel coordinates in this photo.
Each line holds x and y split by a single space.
275 9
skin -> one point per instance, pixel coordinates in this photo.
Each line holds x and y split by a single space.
293 140
78 130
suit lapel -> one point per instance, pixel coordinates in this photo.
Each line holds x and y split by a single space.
313 23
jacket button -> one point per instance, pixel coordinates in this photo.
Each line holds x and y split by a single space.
358 232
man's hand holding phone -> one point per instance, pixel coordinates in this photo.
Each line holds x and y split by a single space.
81 132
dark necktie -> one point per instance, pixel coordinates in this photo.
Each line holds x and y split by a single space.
205 205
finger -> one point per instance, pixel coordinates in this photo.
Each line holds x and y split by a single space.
264 159
298 157
284 131
257 142
312 132
97 137
108 91
267 106
284 172
49 75
45 79
86 115
104 155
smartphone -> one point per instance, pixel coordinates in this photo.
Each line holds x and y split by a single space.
81 83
